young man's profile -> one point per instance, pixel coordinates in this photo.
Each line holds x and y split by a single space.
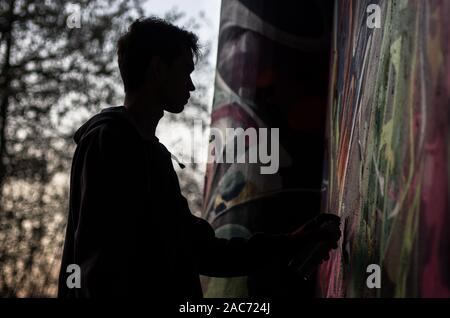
129 228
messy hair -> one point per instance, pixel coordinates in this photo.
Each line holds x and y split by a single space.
147 38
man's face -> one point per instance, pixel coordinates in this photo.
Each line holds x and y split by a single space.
176 85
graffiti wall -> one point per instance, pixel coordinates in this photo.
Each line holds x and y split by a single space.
272 72
388 165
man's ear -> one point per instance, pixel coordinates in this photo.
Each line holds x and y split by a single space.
157 69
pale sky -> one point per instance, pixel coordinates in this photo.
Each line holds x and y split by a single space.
211 9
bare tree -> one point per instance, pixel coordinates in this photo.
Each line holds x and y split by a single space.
58 67
50 70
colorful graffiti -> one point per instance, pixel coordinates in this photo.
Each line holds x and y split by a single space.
388 150
272 71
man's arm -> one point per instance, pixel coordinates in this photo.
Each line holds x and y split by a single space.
237 256
221 257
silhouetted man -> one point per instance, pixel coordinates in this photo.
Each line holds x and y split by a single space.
129 228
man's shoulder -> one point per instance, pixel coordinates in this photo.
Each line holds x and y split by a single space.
118 129
112 129
112 121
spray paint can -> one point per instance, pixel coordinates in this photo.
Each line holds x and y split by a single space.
305 263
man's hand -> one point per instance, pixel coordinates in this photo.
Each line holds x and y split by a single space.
324 227
314 240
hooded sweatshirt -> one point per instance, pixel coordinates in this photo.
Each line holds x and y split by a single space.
130 229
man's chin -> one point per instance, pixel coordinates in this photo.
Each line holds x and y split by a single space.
175 109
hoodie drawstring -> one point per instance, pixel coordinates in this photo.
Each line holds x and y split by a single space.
182 166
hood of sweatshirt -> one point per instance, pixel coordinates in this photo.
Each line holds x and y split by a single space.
117 113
